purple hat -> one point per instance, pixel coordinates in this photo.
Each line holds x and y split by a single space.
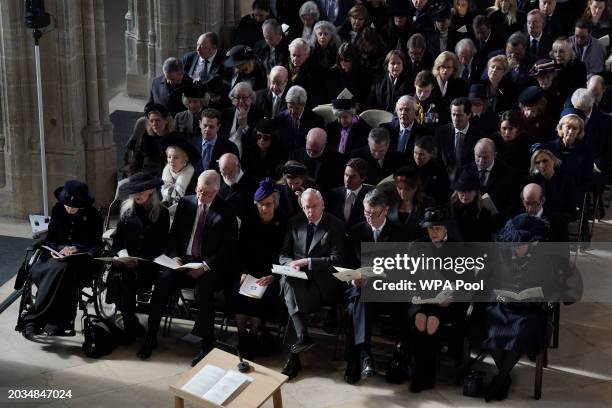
266 188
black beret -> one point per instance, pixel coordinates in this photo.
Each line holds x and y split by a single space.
194 92
477 91
266 126
530 95
155 107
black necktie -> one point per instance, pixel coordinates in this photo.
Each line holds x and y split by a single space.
204 73
482 178
465 75
309 236
534 46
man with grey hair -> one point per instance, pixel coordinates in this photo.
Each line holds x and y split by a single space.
206 61
204 234
271 101
273 49
519 59
238 122
540 43
294 123
305 72
403 129
237 188
419 58
376 228
471 63
324 164
167 89
314 244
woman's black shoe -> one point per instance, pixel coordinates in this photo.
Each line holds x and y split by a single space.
147 348
292 366
30 330
352 374
504 387
492 389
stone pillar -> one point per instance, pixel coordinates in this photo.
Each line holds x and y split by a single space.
78 132
159 29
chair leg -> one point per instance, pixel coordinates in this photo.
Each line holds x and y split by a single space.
539 371
556 320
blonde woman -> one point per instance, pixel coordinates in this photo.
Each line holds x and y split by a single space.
448 83
177 175
500 91
572 72
506 17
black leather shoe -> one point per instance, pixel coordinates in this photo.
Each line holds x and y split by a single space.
352 374
147 347
292 366
206 348
367 365
492 389
303 344
30 330
504 387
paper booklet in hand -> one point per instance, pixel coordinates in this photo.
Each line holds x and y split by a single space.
216 385
122 256
289 271
61 257
170 263
440 298
487 202
347 275
251 288
529 293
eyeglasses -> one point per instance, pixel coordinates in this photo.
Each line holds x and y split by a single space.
264 137
241 98
372 214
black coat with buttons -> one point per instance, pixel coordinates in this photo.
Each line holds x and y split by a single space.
82 230
140 236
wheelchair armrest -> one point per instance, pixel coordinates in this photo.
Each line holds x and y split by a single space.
35 245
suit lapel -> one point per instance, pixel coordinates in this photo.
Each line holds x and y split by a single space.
302 233
319 232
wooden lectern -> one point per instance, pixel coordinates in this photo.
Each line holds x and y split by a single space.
266 383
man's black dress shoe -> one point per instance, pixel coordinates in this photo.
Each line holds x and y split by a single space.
206 348
367 365
146 350
292 366
303 344
352 374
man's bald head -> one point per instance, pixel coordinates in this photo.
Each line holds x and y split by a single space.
229 166
315 142
532 197
596 86
278 79
484 153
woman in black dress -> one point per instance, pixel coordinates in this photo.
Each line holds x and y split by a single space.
142 232
263 158
511 144
324 44
294 181
474 223
514 329
432 173
348 73
500 91
448 84
261 239
394 83
75 228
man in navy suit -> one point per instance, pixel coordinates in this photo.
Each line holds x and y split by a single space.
204 231
294 123
540 43
456 140
206 61
271 101
403 130
382 160
471 63
167 89
346 202
484 38
210 146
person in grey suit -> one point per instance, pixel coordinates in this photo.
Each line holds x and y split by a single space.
314 243
167 89
588 49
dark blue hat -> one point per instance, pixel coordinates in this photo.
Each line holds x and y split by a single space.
266 187
442 11
573 111
435 216
467 181
523 228
477 91
238 55
74 194
530 95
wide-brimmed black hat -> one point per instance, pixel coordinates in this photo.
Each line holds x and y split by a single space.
238 55
155 107
477 92
467 181
215 85
74 194
192 153
435 216
543 66
266 126
297 169
194 91
400 11
523 228
530 95
441 11
139 182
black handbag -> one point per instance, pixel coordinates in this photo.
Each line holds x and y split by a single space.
101 336
473 383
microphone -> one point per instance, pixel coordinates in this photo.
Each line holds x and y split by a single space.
243 366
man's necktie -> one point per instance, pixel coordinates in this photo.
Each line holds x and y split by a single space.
296 126
204 73
309 236
206 149
534 46
376 234
348 204
465 75
343 139
401 146
458 147
195 127
196 246
482 178
276 101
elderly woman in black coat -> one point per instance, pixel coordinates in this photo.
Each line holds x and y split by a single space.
75 229
142 232
516 328
473 221
261 239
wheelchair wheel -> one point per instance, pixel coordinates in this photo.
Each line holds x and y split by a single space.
26 303
104 303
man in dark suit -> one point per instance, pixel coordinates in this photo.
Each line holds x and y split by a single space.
442 38
418 57
271 101
557 23
305 72
471 62
519 59
456 140
534 203
237 188
168 88
204 231
484 38
540 43
323 164
206 61
294 123
382 160
403 130
346 203
273 49
238 122
375 228
496 178
210 146
314 243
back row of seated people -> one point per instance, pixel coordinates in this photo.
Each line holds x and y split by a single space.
230 137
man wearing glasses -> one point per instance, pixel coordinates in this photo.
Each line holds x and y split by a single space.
238 121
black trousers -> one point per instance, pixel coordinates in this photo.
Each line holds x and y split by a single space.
168 282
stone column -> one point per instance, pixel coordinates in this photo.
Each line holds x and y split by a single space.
78 132
159 29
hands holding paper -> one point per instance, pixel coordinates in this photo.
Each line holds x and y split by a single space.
299 263
266 280
65 251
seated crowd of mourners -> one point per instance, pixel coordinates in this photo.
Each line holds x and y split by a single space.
505 102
